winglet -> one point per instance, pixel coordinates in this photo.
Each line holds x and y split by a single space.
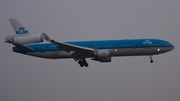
46 37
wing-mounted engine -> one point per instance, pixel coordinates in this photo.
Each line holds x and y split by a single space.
102 56
108 59
25 39
104 53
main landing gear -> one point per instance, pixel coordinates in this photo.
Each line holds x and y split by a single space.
151 58
83 62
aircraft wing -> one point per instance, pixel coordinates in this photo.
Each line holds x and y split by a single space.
69 47
78 50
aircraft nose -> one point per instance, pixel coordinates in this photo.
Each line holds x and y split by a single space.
172 47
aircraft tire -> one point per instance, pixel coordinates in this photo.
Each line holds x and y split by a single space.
86 64
82 65
151 61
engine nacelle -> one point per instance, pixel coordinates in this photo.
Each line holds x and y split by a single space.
108 59
25 39
105 59
103 53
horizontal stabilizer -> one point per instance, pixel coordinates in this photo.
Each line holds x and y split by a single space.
23 48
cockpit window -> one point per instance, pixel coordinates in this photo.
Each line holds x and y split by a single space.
167 43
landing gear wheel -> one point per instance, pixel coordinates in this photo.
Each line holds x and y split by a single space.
86 64
83 63
79 62
151 58
151 61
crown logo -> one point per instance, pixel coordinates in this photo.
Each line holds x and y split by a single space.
21 28
147 42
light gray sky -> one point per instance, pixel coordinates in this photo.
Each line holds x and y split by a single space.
26 78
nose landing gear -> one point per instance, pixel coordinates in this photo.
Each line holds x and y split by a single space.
151 61
151 58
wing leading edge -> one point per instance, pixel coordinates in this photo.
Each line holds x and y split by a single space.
69 47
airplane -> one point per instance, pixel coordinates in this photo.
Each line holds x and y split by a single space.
98 50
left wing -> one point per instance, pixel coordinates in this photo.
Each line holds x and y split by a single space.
69 47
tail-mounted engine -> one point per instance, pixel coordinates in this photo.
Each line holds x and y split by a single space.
25 39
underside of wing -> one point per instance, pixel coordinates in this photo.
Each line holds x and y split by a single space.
69 47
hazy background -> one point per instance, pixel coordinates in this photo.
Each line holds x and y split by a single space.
25 78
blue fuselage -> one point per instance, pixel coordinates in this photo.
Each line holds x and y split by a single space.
131 47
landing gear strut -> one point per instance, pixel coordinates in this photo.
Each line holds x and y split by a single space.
83 62
151 58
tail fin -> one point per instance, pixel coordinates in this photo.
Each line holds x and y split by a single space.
18 28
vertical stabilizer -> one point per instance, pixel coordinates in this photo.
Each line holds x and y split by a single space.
18 27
